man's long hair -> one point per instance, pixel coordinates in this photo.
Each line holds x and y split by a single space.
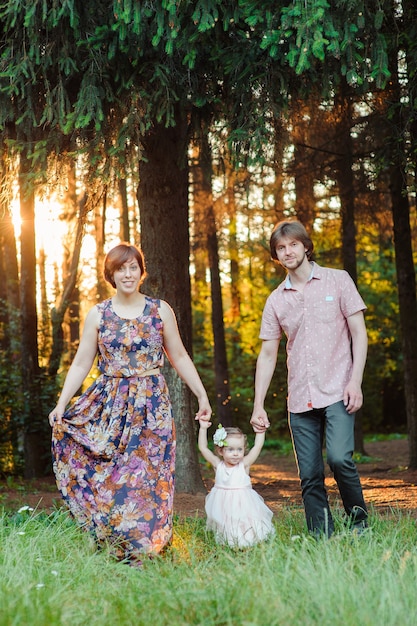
292 230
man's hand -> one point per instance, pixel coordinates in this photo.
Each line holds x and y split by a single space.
352 397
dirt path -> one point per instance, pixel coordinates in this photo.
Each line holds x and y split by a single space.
388 484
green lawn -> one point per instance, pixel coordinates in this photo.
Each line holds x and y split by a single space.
51 573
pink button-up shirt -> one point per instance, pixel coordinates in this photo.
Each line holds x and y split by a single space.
319 355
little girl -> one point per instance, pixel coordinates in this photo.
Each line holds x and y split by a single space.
236 514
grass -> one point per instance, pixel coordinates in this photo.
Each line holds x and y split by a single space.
51 574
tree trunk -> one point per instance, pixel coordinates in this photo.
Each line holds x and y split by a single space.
163 205
10 331
304 168
199 231
45 321
99 228
280 139
58 312
124 210
345 181
233 253
404 257
406 278
221 370
36 436
220 356
4 317
395 153
74 323
10 282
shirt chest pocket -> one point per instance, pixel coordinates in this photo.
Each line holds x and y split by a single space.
325 311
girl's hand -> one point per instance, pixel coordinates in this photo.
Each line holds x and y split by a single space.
204 424
55 417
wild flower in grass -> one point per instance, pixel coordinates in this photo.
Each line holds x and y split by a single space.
40 585
25 508
54 572
21 532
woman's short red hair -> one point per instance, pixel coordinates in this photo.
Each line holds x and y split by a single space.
118 256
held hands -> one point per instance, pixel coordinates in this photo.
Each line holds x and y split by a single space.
204 424
204 412
352 397
259 420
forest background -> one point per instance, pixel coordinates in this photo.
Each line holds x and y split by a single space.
190 128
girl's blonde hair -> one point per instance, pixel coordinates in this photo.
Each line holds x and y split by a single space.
233 430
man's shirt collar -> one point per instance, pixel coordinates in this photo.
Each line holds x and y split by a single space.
315 273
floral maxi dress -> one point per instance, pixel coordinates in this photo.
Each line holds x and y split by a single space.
114 454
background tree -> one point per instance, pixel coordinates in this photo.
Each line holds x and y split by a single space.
112 79
163 202
204 206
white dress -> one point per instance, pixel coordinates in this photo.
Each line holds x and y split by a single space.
236 514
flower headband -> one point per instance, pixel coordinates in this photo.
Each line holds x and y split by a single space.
219 437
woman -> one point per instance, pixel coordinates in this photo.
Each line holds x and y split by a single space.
114 447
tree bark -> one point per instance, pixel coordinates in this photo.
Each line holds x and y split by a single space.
343 165
58 312
36 436
406 278
74 323
10 284
233 252
280 139
100 211
199 231
124 210
10 330
304 168
396 155
163 205
221 370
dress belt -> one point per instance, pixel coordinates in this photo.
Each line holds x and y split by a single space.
153 372
231 488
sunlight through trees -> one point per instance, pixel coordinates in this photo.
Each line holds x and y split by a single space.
191 128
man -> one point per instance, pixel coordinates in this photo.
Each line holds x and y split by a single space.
321 312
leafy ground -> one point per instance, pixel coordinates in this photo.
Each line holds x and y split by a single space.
388 484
